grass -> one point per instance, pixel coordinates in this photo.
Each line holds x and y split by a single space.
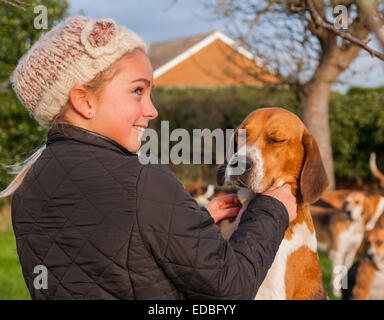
326 268
12 285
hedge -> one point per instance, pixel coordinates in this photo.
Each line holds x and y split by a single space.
356 118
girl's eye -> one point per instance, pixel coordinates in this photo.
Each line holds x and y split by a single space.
138 91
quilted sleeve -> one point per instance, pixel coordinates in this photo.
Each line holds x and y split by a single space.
188 246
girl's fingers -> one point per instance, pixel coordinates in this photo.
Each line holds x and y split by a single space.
227 213
229 200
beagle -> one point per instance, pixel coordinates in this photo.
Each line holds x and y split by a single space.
368 279
365 207
326 212
323 218
280 150
336 198
346 229
196 191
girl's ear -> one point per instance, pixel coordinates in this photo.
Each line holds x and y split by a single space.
81 100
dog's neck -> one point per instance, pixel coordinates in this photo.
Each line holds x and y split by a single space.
303 216
303 212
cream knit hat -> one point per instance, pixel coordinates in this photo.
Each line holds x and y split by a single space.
71 53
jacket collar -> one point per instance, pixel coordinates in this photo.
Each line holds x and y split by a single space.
62 132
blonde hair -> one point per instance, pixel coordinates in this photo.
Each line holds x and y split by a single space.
96 86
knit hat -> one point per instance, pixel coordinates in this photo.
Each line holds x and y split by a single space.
72 53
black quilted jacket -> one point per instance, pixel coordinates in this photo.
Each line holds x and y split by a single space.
107 227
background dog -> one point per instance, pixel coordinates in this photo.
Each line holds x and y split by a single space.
366 278
341 232
200 194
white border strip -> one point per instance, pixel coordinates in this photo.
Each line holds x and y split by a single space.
202 44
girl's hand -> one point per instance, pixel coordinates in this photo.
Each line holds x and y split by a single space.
223 207
284 195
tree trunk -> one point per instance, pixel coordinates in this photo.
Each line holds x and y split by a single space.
314 103
314 99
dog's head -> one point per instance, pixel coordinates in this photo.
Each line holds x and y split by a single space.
360 206
278 149
375 247
194 189
355 204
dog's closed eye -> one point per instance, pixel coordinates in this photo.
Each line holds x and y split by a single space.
275 140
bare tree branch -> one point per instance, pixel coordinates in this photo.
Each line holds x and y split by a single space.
373 19
321 23
17 4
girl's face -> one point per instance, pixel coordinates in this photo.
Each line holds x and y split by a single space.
124 108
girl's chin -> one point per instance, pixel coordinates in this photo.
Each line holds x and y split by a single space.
133 147
134 142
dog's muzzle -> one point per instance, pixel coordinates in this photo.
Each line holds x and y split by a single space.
238 170
347 211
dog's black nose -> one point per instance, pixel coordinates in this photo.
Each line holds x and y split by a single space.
235 163
348 213
248 163
369 257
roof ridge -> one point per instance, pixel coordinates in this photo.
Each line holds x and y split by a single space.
185 38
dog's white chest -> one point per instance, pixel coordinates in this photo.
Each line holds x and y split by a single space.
377 289
351 238
273 286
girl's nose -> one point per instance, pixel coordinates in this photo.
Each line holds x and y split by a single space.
150 111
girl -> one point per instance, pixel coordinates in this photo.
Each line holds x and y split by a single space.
104 225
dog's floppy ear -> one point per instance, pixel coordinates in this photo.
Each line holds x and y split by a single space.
313 178
220 175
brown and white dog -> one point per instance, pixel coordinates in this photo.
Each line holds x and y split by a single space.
326 212
336 198
369 279
280 150
328 218
197 192
364 207
342 233
362 212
